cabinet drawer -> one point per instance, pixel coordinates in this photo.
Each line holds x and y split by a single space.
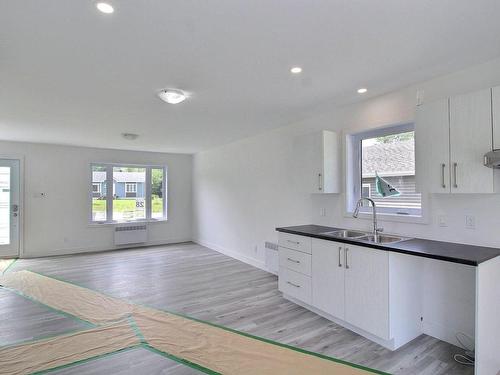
295 260
295 284
294 242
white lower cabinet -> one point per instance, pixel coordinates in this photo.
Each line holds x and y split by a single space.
352 283
367 289
373 292
328 280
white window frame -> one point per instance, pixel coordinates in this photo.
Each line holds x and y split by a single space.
354 179
148 199
130 185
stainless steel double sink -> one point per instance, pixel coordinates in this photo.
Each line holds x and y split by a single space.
364 236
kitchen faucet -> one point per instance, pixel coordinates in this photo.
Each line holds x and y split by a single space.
355 214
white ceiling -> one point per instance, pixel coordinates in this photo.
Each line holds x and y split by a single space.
70 74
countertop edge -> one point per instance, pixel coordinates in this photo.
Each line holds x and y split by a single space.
392 248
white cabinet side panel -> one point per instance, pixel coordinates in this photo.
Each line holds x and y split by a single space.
488 318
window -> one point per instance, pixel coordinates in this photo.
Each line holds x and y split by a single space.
138 193
390 153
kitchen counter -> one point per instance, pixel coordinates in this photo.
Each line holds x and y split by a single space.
451 252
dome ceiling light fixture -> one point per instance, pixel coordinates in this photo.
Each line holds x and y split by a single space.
105 7
130 136
172 96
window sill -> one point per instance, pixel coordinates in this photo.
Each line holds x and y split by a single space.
381 217
115 223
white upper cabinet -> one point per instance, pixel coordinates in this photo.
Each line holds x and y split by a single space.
432 147
316 162
496 117
470 138
451 137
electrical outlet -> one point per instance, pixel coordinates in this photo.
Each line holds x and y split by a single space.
322 211
443 222
470 222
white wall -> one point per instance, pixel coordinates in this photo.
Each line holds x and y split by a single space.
59 222
243 190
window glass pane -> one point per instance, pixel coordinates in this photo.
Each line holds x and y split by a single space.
98 193
157 195
5 205
129 193
393 158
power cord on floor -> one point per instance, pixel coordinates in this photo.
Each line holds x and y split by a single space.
468 358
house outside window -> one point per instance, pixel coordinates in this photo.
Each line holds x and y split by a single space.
138 193
390 153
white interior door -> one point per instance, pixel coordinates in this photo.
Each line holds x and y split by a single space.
9 207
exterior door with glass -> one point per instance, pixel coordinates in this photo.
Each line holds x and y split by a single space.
9 208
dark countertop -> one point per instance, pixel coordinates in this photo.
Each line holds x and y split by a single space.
447 251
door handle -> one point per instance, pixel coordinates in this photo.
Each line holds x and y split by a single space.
340 252
320 185
455 168
345 259
443 166
293 260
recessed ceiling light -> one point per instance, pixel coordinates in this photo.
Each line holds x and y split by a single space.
172 96
296 70
105 8
130 136
362 90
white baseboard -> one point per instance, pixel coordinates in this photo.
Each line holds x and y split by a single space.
95 249
233 254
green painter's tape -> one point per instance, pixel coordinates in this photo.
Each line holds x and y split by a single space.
136 329
60 312
82 361
8 267
304 351
180 360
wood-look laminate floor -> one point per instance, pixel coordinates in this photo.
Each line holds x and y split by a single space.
204 284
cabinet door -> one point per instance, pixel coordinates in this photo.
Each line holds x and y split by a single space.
308 163
432 147
328 277
316 164
367 289
470 138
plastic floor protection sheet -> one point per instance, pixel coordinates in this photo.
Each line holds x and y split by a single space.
213 348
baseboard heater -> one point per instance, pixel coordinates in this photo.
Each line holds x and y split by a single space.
131 234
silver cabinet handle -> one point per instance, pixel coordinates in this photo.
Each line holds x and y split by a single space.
345 260
295 242
455 167
320 185
340 252
443 166
292 284
293 260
